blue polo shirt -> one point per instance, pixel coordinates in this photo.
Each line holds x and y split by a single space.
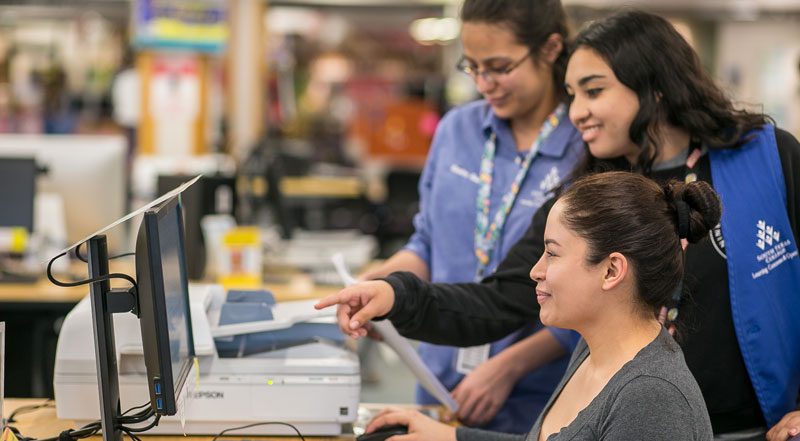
445 232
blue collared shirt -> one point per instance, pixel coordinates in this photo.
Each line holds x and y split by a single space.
445 225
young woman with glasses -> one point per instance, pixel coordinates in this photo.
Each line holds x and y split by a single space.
491 165
642 101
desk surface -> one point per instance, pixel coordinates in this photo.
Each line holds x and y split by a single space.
43 423
297 287
41 292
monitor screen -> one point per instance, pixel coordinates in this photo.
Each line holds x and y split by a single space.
164 304
17 190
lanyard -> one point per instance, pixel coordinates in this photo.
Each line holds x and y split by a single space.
486 234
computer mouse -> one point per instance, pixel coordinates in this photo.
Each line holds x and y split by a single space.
384 432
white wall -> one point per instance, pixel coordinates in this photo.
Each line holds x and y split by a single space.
758 63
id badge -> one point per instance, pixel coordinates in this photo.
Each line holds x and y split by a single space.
469 358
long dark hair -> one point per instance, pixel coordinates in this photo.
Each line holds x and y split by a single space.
632 215
651 58
531 22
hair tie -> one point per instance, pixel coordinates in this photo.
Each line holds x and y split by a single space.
683 218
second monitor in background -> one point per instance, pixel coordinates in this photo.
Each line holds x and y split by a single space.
89 174
17 191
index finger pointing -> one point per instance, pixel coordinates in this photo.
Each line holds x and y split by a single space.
333 299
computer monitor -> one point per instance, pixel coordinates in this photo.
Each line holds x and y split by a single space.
17 190
160 300
89 173
163 293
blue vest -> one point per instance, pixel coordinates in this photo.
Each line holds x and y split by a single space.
763 268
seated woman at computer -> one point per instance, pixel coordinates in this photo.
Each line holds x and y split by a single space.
612 257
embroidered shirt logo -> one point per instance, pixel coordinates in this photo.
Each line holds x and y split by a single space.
550 181
774 251
766 235
464 173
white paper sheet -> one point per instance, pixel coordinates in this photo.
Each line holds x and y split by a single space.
163 198
402 347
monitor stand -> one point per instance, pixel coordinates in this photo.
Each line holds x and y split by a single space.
106 302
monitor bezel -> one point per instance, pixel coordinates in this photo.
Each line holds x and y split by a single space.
152 299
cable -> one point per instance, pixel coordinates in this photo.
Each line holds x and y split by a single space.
84 432
25 409
142 415
143 429
84 259
259 424
137 407
94 427
87 281
133 437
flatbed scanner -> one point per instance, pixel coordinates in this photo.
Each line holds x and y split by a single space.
303 375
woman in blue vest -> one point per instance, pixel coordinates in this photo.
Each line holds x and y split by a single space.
642 101
491 165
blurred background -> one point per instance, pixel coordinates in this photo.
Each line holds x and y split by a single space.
328 88
336 88
308 119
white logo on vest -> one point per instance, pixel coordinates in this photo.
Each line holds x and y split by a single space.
768 239
766 234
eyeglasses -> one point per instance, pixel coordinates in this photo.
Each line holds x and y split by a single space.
491 74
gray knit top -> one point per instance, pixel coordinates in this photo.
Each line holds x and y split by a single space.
652 397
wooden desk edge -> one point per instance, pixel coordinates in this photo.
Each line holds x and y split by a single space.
44 423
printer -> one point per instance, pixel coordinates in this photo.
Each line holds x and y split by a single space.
292 367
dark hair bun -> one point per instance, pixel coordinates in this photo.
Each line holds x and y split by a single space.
704 205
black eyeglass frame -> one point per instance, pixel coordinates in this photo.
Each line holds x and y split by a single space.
490 75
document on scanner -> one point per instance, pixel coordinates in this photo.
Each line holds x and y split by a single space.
403 348
286 315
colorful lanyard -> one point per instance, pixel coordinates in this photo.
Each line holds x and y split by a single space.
485 234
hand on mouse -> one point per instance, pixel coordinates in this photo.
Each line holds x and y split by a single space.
420 427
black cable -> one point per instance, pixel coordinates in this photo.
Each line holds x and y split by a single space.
84 259
25 409
94 427
142 415
259 424
87 281
84 432
133 437
137 407
78 254
143 429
